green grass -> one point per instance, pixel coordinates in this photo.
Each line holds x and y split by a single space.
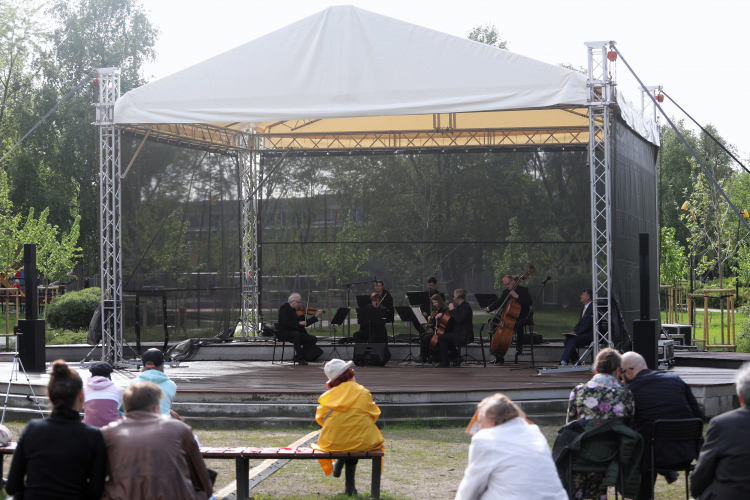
714 324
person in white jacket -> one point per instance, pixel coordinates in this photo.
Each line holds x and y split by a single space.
509 458
101 397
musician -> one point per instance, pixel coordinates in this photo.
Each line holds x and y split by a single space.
386 299
432 290
461 334
522 295
583 333
291 328
372 333
438 307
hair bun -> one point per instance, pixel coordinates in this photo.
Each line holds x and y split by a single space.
60 368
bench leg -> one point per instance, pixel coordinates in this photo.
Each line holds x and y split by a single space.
375 488
243 483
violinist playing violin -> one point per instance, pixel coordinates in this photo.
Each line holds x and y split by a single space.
462 333
438 306
522 295
291 328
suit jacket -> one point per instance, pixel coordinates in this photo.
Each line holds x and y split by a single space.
524 298
657 396
463 328
585 325
722 470
288 319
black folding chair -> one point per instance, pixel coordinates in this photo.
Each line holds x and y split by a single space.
276 341
683 429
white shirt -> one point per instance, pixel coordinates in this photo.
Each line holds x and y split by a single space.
511 461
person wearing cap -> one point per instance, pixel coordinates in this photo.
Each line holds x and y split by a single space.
347 414
153 371
101 397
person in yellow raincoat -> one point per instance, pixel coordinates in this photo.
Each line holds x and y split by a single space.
347 414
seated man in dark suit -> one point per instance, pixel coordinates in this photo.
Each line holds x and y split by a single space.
583 333
722 470
658 396
462 331
291 328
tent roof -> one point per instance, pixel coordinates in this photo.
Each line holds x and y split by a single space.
334 79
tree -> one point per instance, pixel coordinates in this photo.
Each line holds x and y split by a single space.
673 267
347 259
488 35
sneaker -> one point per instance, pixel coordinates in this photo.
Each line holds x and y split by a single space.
563 363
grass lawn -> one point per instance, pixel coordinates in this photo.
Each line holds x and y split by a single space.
714 324
420 463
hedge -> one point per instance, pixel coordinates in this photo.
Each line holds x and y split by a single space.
74 310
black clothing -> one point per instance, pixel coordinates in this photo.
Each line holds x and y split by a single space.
372 333
660 396
386 300
525 299
289 330
462 333
61 457
424 340
722 470
584 335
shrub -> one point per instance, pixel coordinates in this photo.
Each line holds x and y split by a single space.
74 310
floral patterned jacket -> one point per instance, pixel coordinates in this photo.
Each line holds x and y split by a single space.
601 397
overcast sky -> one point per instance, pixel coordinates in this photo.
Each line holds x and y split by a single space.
687 46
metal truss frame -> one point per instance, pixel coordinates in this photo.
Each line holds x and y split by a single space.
110 221
250 171
601 103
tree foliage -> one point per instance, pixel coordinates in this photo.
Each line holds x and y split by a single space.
487 34
673 267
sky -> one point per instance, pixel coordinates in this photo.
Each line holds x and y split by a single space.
688 47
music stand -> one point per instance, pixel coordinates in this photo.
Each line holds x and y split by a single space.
485 299
406 314
338 320
363 300
421 299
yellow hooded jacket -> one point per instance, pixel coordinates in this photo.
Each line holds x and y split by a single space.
347 414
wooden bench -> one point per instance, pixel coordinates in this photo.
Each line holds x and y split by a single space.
242 457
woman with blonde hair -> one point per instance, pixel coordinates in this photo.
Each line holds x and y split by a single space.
347 414
509 457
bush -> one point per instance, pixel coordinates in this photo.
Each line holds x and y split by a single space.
74 310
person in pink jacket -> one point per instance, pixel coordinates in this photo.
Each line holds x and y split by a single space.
101 397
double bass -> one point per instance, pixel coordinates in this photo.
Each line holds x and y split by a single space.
511 309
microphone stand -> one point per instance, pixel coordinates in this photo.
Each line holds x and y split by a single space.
348 289
531 311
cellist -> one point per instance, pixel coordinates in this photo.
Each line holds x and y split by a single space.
462 334
522 295
438 306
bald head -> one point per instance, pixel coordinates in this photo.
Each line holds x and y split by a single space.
632 364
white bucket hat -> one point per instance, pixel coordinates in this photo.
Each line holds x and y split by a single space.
335 368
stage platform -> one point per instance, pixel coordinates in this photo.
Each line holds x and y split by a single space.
240 394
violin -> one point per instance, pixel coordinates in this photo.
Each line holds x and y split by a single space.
506 326
302 311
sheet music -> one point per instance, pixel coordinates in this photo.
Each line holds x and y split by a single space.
418 315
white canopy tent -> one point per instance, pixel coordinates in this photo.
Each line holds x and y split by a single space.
347 79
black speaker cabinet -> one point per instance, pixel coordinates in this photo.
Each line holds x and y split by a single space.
645 341
31 343
371 354
684 330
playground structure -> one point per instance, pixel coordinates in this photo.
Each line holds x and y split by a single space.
676 305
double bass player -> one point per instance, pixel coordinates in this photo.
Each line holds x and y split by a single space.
522 295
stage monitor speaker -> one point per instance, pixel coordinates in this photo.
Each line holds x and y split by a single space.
371 354
537 338
684 330
31 344
645 341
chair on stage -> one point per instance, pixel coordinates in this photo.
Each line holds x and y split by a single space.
276 341
684 429
468 357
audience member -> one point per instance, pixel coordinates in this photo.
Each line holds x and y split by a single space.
509 458
658 396
101 397
152 456
601 397
153 371
347 414
59 456
722 470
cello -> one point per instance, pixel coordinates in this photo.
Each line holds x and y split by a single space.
511 309
443 325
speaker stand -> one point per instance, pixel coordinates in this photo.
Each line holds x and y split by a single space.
14 369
